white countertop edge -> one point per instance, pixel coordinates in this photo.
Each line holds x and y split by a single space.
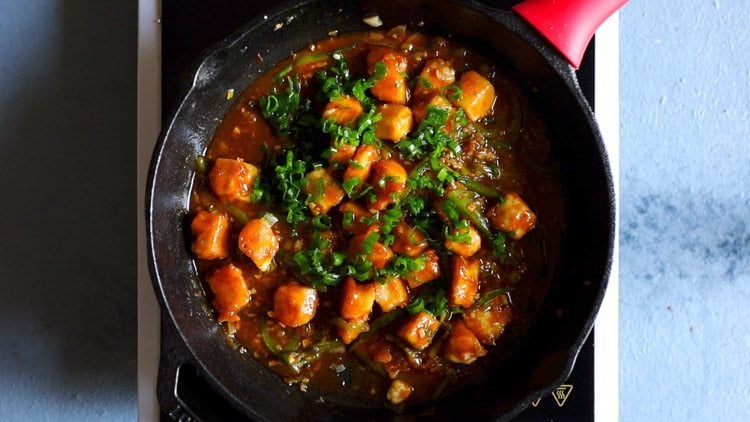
606 333
149 118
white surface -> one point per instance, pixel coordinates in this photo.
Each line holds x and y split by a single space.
149 118
685 232
606 335
606 391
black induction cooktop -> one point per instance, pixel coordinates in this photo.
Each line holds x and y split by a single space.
189 27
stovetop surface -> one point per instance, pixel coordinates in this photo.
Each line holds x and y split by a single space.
189 27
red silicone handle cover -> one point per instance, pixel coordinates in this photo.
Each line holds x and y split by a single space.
568 24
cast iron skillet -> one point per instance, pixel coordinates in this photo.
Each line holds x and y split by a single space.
545 357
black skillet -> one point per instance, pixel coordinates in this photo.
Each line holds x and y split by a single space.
546 356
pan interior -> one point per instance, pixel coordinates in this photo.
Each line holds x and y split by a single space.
551 345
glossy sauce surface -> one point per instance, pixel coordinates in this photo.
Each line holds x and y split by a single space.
374 356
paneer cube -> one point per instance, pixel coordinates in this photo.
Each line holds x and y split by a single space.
388 181
409 241
258 242
436 75
464 282
361 164
341 154
399 391
294 305
477 95
325 192
351 217
378 254
488 322
232 180
396 122
462 345
357 300
230 292
382 355
350 330
211 230
392 88
344 110
466 243
419 330
429 272
395 62
421 108
512 215
391 294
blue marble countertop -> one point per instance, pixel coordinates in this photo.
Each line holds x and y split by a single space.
685 211
67 154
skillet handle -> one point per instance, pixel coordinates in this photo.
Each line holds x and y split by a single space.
568 24
183 393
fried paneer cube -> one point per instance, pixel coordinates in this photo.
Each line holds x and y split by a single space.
258 242
436 74
391 294
488 322
462 345
232 180
294 305
476 97
512 215
467 242
388 181
357 300
396 122
392 87
464 282
429 272
230 292
323 190
409 241
211 232
419 330
344 110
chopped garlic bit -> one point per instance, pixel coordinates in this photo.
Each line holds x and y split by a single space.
373 21
230 93
333 33
278 26
399 391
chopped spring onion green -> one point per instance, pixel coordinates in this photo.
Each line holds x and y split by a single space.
201 165
270 218
464 202
479 187
487 297
236 213
304 59
289 353
377 325
298 359
273 345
